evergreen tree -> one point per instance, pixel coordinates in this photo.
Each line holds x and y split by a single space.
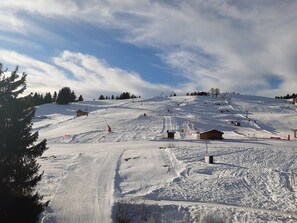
37 99
47 98
19 170
80 98
64 96
125 95
101 97
55 96
72 97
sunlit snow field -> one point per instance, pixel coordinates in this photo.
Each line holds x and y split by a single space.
88 171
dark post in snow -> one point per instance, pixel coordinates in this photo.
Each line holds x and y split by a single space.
208 159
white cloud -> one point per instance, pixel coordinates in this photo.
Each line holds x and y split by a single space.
11 23
42 77
85 74
42 7
232 45
96 75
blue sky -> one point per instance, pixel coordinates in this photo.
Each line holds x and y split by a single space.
150 46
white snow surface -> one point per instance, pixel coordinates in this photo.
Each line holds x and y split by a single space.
88 170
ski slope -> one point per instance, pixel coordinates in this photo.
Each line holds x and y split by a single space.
89 171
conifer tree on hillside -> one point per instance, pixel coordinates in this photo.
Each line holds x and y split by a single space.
65 96
48 98
19 170
38 99
72 97
125 95
55 96
80 98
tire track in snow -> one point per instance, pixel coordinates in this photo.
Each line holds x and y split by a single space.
167 124
86 194
169 160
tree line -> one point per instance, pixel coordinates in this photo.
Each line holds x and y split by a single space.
202 93
124 95
288 96
65 96
212 91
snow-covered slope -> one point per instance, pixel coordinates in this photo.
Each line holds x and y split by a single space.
90 172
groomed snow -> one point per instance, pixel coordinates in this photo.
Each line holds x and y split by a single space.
87 170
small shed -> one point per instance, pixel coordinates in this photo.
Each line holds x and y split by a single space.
81 113
170 134
212 134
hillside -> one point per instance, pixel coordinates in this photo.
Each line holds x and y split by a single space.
90 173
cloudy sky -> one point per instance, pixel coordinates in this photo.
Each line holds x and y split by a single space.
148 46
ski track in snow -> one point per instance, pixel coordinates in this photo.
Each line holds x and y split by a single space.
84 194
167 124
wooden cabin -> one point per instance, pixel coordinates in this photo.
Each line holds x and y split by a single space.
81 113
212 135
